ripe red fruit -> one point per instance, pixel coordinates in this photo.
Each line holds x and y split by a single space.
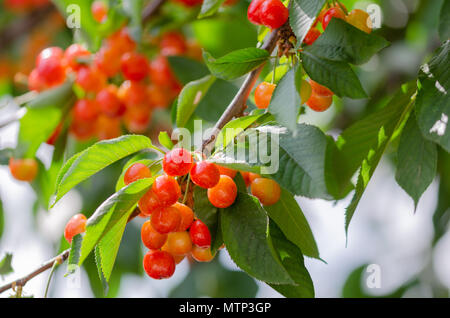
159 264
108 128
109 102
136 172
335 12
266 190
252 176
311 37
121 42
35 82
319 103
173 43
90 79
320 89
107 60
85 110
99 11
73 53
149 203
224 193
133 94
75 226
23 169
226 171
166 190
160 72
187 216
82 130
273 13
53 52
159 96
202 254
205 174
179 243
254 11
200 234
50 67
263 94
137 119
246 177
166 220
134 66
177 162
151 238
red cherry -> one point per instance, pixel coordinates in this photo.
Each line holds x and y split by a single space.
133 94
82 130
73 53
205 174
85 110
187 216
335 12
177 162
166 220
273 14
109 102
151 238
254 11
134 66
173 43
99 11
107 60
166 190
320 89
149 203
90 79
319 103
159 264
224 193
50 67
311 37
200 234
136 172
23 169
121 42
108 128
75 226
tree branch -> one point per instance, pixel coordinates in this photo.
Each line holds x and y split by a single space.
151 9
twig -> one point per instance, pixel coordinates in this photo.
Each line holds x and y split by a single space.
151 9
23 26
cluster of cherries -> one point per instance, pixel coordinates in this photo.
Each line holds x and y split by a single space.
24 5
173 231
317 97
103 105
270 13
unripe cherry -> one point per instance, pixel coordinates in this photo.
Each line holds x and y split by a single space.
179 243
202 254
320 89
319 103
266 190
305 91
76 225
23 169
263 94
187 216
360 19
224 193
151 238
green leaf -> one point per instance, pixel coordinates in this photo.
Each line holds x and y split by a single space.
236 63
95 158
190 97
165 140
5 265
302 15
292 260
337 76
244 229
417 161
370 163
286 101
74 255
289 217
209 7
444 21
55 97
110 215
342 42
209 215
187 70
133 8
101 276
433 98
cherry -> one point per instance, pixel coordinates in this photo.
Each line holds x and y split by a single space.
173 43
75 226
108 128
187 216
202 254
99 11
36 82
200 234
121 42
320 89
194 50
319 103
305 91
177 162
246 177
263 94
159 264
107 60
90 79
205 174
335 12
109 102
167 190
226 171
311 37
224 193
179 243
134 66
49 66
360 19
266 190
73 53
136 172
177 258
137 119
166 220
254 11
149 203
85 110
82 130
159 96
23 169
55 134
133 93
53 52
161 74
273 13
151 238
252 176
